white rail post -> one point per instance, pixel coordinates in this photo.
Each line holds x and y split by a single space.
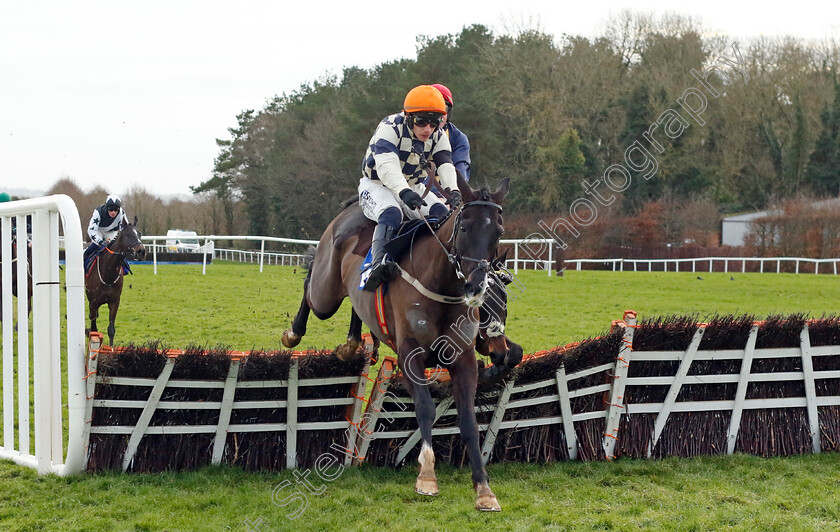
262 254
617 404
810 389
367 427
224 412
674 390
204 259
291 415
496 422
148 411
414 438
24 421
516 257
741 391
154 255
57 440
566 412
550 263
8 337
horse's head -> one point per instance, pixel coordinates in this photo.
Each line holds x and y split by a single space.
478 227
128 242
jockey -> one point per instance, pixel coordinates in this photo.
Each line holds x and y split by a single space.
394 169
106 222
457 139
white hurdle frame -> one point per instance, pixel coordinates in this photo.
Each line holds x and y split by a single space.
46 349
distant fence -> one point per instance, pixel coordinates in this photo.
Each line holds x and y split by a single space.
536 254
711 264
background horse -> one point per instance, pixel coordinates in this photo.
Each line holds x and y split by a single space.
104 281
14 266
435 326
492 341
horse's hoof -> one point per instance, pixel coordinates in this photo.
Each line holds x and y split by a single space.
426 487
290 339
485 499
487 503
347 352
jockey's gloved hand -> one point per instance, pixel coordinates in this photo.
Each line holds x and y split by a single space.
412 199
454 198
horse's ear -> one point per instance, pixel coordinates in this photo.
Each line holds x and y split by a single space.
501 259
135 220
501 192
467 193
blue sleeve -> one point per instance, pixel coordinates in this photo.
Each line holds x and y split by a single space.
460 150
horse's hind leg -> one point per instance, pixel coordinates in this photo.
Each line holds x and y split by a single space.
291 337
347 351
412 359
464 377
112 318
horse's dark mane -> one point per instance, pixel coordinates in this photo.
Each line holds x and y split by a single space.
348 202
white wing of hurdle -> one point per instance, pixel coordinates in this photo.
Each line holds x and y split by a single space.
45 388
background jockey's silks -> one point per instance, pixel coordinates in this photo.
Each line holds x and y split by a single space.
103 227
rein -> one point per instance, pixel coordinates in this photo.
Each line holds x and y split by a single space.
119 268
454 258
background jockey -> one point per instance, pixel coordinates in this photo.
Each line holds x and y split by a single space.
394 170
106 222
457 139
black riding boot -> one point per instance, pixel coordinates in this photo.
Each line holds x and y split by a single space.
383 269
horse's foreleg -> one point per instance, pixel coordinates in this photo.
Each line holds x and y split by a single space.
291 337
347 351
464 376
112 318
93 314
412 360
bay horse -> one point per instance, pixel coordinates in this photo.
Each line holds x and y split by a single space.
425 314
504 353
104 281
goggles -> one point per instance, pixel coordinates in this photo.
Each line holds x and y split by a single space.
423 121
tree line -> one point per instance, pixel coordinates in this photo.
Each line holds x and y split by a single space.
552 112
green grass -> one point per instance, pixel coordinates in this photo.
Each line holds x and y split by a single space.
236 306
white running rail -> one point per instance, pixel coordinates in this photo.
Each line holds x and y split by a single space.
45 388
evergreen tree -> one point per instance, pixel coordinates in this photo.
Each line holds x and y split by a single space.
823 174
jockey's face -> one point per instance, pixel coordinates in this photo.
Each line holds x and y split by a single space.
423 132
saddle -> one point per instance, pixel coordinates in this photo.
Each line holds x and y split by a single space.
354 222
91 260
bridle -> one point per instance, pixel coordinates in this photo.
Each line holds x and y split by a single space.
453 256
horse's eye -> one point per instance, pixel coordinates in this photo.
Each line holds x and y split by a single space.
463 228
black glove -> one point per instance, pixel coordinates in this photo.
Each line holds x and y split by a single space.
412 199
454 198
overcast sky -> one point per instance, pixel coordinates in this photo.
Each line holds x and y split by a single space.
114 93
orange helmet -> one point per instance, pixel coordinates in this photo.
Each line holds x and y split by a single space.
447 94
424 98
